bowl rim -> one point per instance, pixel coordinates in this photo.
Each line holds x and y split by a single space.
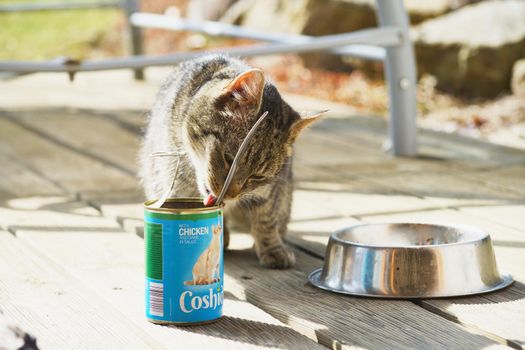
483 235
315 279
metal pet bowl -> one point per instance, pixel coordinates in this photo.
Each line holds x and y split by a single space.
405 260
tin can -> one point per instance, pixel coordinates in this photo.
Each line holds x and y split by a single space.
184 261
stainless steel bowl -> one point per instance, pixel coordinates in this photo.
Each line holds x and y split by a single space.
403 260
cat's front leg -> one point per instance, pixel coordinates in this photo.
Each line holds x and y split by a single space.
269 245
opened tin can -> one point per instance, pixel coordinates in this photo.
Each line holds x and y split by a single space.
184 261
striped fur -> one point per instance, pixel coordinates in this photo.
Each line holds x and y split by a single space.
203 111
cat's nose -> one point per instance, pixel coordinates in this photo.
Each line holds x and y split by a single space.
234 190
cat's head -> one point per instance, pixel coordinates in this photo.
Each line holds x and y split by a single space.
222 115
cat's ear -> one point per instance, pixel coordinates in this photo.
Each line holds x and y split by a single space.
305 119
247 88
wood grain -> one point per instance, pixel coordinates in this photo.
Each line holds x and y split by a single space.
511 178
60 316
340 321
446 189
512 216
109 266
452 151
94 133
53 213
73 171
18 180
342 176
500 315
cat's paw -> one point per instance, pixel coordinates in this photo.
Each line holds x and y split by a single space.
277 258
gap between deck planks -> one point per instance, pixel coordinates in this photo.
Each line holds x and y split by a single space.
103 269
500 315
59 164
331 319
75 187
39 299
67 128
254 326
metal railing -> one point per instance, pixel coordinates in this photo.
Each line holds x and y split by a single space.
389 43
54 6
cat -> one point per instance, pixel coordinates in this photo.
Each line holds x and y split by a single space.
206 269
202 112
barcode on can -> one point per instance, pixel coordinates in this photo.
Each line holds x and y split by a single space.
156 299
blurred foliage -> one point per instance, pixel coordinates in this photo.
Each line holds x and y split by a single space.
50 34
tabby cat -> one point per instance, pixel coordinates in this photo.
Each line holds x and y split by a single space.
203 111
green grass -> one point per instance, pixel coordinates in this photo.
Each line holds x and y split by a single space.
50 34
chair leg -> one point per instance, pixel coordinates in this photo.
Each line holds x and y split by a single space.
400 74
134 35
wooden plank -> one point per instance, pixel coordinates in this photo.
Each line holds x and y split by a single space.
109 265
506 215
110 141
20 181
445 189
73 171
53 213
329 319
339 321
40 300
364 158
443 179
357 198
313 235
349 156
310 206
510 178
124 207
500 315
454 149
134 122
114 260
112 266
311 148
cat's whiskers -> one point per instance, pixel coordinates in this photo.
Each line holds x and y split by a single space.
194 114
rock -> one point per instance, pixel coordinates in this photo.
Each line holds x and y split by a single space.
471 51
322 17
208 10
518 78
420 11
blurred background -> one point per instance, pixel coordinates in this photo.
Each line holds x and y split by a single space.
470 54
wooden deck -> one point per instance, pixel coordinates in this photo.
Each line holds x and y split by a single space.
71 252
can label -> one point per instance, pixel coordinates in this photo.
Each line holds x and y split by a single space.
184 266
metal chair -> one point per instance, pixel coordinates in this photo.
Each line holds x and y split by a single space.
389 42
